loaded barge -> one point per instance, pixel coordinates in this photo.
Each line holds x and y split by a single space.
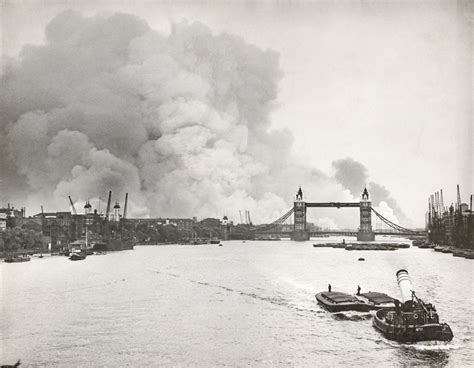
335 301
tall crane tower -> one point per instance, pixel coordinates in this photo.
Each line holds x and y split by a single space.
72 206
458 203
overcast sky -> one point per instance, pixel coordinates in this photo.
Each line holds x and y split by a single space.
387 84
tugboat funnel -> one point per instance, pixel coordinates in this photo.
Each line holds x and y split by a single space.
405 285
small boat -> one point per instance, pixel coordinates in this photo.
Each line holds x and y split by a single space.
214 239
335 301
17 364
424 246
77 256
469 254
414 320
458 253
361 259
17 259
220 244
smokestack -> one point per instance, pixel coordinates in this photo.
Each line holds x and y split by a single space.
107 211
125 206
405 285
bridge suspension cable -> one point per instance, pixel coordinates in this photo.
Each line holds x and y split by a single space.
392 224
277 222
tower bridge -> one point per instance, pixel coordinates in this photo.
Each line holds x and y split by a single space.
300 231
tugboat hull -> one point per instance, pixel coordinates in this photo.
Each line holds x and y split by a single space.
412 333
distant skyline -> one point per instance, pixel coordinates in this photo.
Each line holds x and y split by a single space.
388 85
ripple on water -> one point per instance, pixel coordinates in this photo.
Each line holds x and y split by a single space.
250 304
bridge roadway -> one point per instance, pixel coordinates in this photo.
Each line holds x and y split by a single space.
332 204
315 234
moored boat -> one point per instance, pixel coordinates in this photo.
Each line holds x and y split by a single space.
77 256
424 246
459 253
413 320
17 259
469 254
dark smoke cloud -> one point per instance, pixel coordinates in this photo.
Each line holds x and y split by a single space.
179 121
354 176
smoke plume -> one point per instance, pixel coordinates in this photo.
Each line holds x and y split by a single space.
180 121
353 176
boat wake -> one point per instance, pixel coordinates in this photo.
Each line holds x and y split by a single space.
426 345
276 300
351 316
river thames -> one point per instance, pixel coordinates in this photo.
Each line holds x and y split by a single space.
242 304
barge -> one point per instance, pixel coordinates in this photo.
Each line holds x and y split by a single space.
335 301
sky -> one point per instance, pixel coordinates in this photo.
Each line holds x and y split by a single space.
384 84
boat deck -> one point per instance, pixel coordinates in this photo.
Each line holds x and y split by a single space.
337 297
377 298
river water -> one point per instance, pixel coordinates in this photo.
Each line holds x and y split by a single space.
242 304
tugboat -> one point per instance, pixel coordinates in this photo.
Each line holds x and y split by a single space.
413 320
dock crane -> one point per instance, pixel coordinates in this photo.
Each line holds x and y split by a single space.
125 207
72 206
458 203
107 212
442 202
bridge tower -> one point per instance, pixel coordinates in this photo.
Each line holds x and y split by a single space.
365 232
299 228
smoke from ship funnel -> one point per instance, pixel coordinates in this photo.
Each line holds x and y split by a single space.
405 285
